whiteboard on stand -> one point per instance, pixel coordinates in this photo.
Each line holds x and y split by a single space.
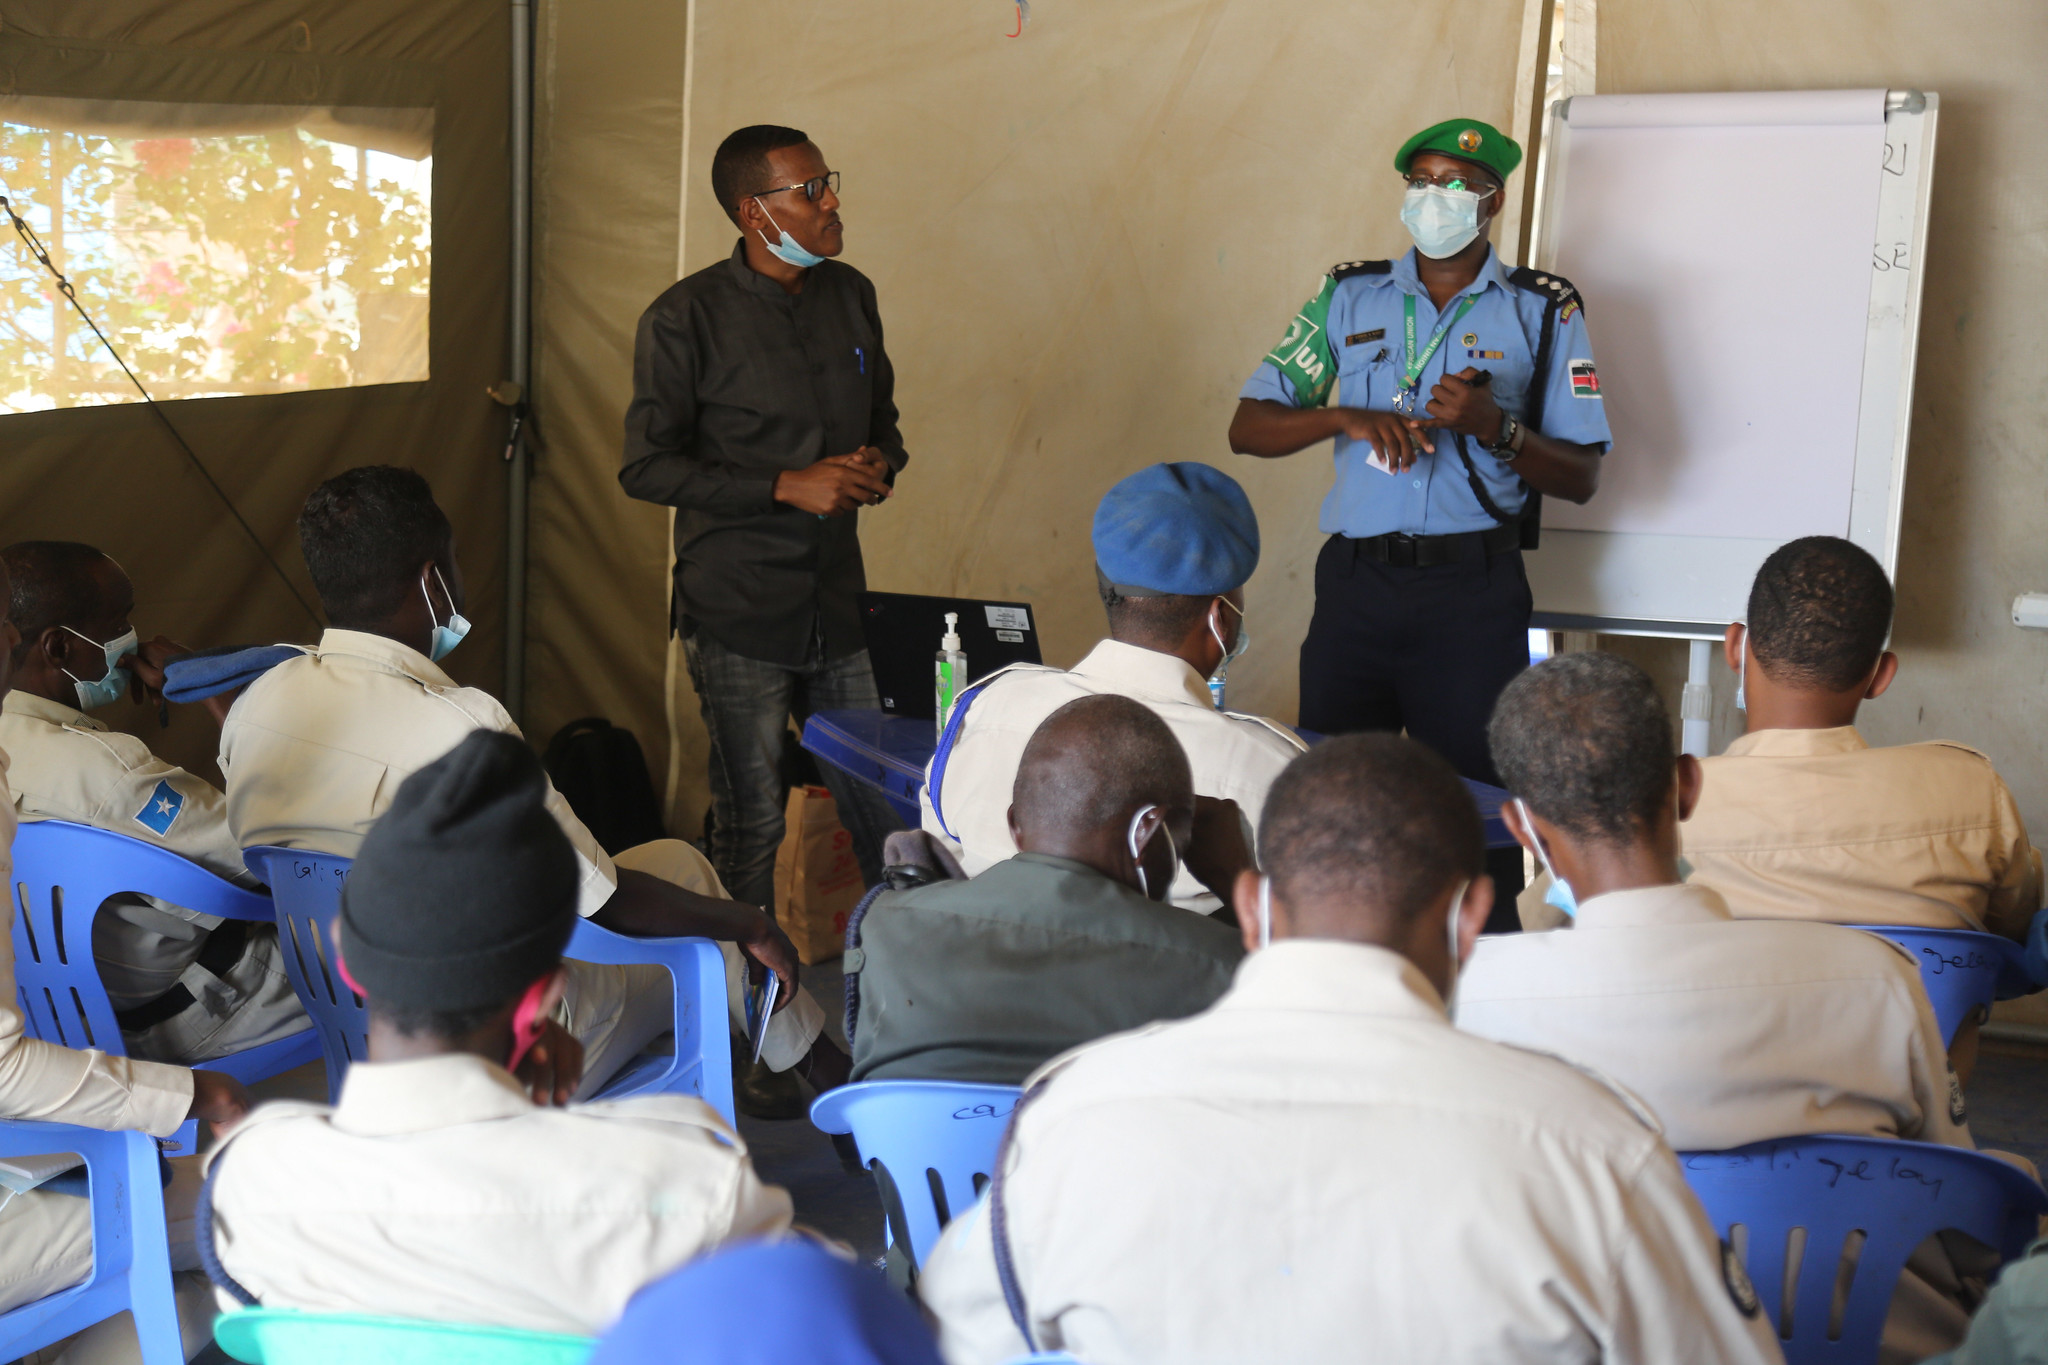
1750 265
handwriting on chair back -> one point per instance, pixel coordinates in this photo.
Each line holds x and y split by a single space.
1970 961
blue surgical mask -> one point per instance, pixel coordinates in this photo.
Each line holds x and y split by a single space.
446 637
108 689
1244 642
1560 892
785 250
1443 222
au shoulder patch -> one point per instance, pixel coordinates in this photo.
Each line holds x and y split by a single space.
1740 1290
165 804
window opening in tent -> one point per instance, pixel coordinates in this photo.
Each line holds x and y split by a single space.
224 250
1560 39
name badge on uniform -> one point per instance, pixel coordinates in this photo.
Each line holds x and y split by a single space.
162 810
1360 338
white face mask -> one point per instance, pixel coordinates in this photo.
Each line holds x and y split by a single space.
1560 892
1138 848
1451 933
1443 222
1265 911
1742 676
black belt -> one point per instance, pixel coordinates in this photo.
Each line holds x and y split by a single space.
1425 551
219 954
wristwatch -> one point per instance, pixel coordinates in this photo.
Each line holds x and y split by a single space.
1509 443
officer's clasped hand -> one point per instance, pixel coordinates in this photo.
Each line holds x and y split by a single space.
1459 405
1394 438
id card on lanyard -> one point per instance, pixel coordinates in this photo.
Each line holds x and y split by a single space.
1406 395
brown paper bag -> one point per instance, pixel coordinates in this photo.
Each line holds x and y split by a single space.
817 878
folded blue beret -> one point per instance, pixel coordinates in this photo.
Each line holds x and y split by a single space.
208 673
1183 528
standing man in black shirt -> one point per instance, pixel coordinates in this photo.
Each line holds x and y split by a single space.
764 412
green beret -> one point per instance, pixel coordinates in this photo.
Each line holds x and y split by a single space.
1467 139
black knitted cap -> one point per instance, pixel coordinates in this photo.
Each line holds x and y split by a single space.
464 892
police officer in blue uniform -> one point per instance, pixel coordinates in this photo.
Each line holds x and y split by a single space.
1465 390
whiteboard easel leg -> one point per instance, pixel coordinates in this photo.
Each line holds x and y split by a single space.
1696 703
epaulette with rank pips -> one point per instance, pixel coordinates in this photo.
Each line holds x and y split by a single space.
1344 270
1540 282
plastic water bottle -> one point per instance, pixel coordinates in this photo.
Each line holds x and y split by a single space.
949 672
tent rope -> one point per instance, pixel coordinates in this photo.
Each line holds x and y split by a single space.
64 287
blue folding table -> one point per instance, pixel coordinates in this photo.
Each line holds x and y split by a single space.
889 753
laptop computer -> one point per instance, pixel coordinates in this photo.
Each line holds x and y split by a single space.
903 632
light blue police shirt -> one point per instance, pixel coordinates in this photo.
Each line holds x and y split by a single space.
1361 335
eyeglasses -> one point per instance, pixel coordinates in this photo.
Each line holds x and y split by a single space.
814 188
1450 182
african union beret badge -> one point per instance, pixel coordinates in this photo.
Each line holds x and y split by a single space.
1468 141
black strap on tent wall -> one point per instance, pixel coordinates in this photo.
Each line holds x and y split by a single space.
42 254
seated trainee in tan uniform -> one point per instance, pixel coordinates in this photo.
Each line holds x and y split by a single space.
314 749
46 1237
1801 819
186 987
1319 1167
437 1188
1732 1031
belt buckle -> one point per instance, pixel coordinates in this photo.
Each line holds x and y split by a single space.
1400 549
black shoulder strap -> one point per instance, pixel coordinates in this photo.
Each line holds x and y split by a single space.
1557 291
202 1234
1344 270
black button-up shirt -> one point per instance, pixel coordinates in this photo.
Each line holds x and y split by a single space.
734 381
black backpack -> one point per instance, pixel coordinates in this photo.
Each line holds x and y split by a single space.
599 769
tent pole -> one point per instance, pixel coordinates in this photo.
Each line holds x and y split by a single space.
519 470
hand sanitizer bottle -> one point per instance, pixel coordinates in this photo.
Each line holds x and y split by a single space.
950 672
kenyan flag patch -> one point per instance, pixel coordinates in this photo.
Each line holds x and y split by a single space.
1585 380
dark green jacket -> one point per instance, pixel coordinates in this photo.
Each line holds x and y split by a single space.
983 980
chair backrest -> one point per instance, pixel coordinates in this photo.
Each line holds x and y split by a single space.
701 1062
1962 969
931 1144
285 1336
131 1255
63 873
1806 1214
306 890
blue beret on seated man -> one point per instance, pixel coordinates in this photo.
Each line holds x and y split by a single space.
1175 545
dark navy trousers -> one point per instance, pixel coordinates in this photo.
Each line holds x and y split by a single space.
1426 650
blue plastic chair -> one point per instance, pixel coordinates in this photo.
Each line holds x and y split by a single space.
931 1144
1830 1207
306 888
1963 970
60 867
131 1254
285 1336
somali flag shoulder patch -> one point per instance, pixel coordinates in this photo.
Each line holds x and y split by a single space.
162 810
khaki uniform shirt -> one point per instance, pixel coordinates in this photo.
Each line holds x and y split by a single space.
68 766
1233 756
316 748
1732 1031
435 1189
1815 824
1321 1168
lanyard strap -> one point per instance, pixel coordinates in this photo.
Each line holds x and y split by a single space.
1412 367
